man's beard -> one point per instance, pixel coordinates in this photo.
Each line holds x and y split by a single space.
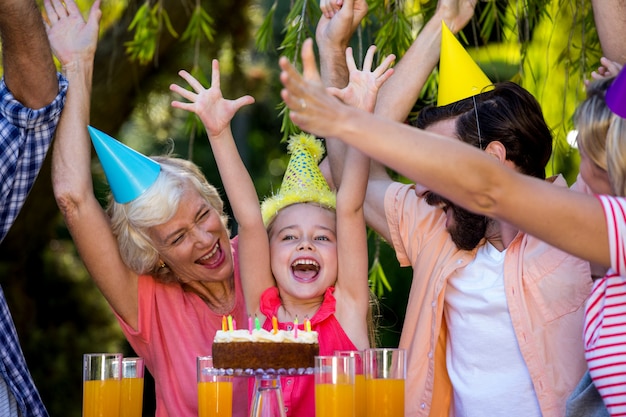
468 228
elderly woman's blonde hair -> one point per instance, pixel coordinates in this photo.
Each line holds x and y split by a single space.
131 222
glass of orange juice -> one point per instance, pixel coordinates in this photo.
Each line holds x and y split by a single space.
215 390
102 382
131 399
385 373
359 379
334 386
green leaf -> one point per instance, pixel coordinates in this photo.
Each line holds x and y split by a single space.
378 279
147 24
200 25
265 33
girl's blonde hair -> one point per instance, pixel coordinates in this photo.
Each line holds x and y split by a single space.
592 119
602 134
131 222
616 155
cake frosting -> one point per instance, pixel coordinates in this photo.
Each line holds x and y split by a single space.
265 336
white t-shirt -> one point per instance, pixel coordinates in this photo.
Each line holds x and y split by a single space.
484 362
605 315
8 405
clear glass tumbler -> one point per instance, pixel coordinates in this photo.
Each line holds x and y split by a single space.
268 397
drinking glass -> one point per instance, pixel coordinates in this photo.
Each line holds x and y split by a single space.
334 386
131 400
215 390
268 397
359 379
385 373
102 382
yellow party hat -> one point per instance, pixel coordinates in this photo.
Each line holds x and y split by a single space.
303 181
459 76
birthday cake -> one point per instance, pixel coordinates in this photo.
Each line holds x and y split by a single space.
262 349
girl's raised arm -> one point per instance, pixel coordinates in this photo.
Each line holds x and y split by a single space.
352 288
216 114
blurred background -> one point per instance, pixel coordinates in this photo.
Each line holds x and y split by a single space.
547 46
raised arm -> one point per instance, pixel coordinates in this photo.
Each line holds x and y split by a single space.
29 70
216 113
352 289
333 33
566 219
397 96
74 43
610 19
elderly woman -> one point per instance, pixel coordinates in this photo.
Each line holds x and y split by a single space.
163 260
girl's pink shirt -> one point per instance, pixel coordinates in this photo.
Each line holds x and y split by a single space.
299 391
175 326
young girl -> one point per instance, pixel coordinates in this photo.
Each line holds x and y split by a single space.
311 261
592 120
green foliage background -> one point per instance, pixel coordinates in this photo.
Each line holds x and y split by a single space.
548 46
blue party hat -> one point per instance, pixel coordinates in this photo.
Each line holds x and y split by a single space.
128 172
616 95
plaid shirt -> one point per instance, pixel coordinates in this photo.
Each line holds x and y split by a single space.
25 136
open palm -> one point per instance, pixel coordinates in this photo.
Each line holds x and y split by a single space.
214 110
363 86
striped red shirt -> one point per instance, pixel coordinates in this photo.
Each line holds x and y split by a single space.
605 316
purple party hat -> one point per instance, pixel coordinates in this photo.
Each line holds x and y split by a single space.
616 95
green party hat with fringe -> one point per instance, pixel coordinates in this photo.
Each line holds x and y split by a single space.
303 181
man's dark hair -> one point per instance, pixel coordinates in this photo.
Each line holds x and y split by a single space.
508 114
511 115
430 115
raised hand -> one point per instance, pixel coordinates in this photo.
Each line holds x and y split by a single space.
214 110
363 86
339 20
311 107
606 69
330 7
456 13
71 38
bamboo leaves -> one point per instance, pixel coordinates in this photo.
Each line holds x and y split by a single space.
148 23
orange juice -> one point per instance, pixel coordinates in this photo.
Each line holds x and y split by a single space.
101 398
131 399
360 401
334 400
385 397
215 399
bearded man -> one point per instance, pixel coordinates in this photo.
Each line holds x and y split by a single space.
494 317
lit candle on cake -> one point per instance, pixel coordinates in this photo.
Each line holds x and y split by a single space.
234 324
230 323
257 323
295 328
274 324
307 324
223 323
250 323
